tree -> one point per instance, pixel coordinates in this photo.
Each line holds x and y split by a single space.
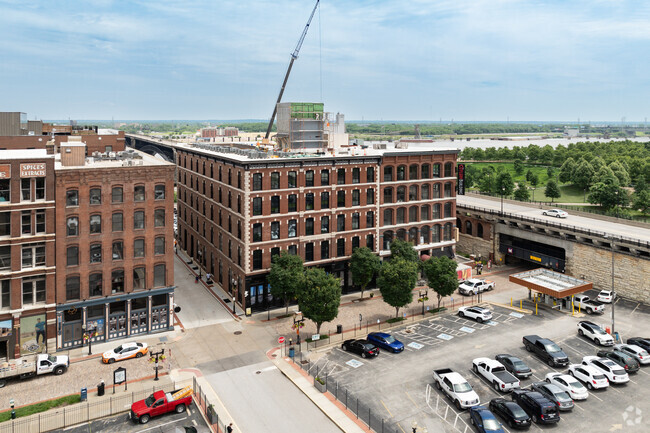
534 181
505 185
642 201
396 282
620 172
441 274
364 264
550 171
552 190
608 193
567 169
522 193
519 167
529 174
286 277
597 163
319 296
583 175
405 250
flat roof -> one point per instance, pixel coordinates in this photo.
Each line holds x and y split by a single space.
93 163
24 154
551 283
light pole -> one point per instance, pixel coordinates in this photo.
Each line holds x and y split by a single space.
89 333
298 322
611 242
158 354
424 296
503 191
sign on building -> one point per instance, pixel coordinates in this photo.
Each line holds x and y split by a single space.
32 169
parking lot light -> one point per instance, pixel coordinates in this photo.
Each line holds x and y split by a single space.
414 426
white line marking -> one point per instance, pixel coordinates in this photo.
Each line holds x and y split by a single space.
160 425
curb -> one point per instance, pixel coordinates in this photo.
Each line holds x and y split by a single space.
506 306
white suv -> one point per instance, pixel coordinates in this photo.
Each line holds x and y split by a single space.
593 378
477 313
594 332
612 371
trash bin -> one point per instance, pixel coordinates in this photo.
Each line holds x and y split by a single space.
339 329
292 352
84 394
196 279
100 388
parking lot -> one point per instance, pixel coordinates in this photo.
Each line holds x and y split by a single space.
400 386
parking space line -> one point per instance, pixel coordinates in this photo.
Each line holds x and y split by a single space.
400 427
641 371
409 396
575 405
386 407
595 396
158 426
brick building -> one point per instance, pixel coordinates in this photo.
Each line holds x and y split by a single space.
114 231
27 253
238 208
94 142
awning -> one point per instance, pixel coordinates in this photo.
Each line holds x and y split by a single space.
551 283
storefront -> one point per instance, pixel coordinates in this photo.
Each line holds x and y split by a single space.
100 320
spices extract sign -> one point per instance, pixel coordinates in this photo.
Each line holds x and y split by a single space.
32 169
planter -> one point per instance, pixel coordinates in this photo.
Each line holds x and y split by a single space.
322 387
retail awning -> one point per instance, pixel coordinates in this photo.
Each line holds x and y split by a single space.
551 283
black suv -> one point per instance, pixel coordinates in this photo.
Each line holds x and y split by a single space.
630 364
554 393
643 343
538 407
361 347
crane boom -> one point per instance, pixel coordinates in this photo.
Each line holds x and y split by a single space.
294 56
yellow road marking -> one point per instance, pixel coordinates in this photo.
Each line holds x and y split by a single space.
386 407
409 396
400 427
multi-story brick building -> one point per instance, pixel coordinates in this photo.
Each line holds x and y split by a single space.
238 208
114 244
27 253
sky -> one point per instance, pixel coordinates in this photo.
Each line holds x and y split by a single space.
426 60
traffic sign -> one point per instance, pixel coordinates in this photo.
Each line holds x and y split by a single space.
280 340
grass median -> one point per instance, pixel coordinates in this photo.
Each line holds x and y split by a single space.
41 407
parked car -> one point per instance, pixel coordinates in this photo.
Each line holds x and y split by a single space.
514 365
474 286
510 412
29 366
454 386
125 351
386 342
360 347
592 377
546 350
484 420
636 352
539 408
584 303
561 398
161 402
594 332
606 296
612 371
629 363
641 342
477 313
496 374
570 384
558 213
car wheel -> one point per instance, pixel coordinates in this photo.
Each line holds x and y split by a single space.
544 213
535 419
479 320
572 373
550 363
472 421
458 406
557 216
589 385
180 408
598 342
527 347
3 383
344 347
581 332
59 371
475 368
511 424
138 355
496 387
461 314
111 361
548 380
144 419
589 311
363 354
438 385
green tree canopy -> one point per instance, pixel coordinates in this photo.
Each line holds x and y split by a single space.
552 190
597 163
364 265
583 175
519 167
396 282
319 297
608 193
620 172
522 193
567 170
642 201
441 274
505 185
405 250
285 277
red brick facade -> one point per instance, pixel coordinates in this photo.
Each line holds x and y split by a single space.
94 143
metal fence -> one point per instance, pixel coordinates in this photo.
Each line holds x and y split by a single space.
204 405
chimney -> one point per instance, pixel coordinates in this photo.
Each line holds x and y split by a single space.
73 153
50 147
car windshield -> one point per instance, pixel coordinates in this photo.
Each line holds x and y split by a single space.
563 396
491 425
519 365
150 400
642 353
599 331
518 412
576 384
553 348
368 346
117 349
599 376
462 387
390 339
618 372
51 358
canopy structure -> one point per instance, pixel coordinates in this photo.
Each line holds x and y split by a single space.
551 283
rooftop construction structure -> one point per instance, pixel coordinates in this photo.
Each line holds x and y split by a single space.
306 127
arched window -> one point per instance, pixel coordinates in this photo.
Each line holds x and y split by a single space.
388 195
388 217
436 212
413 172
424 193
436 170
413 214
425 235
447 235
388 239
468 227
401 215
424 212
388 174
479 230
448 210
459 224
426 171
413 235
401 172
435 234
401 194
401 234
448 190
413 193
449 169
436 191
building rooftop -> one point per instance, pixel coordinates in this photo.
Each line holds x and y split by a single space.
551 283
24 154
128 158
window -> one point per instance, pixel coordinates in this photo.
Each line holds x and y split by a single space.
436 211
159 218
340 247
257 232
257 181
324 250
340 199
325 224
139 278
425 171
370 174
275 180
355 221
5 294
138 247
33 290
72 254
117 194
40 188
413 192
117 220
159 192
388 174
117 281
138 193
95 196
356 175
370 219
95 224
401 172
293 250
401 194
324 200
159 245
388 195
468 227
72 197
448 189
449 168
5 190
340 223
95 253
25 189
355 242
73 226
324 177
26 222
447 210
275 230
257 206
72 288
388 217
436 170
293 228
292 179
118 250
413 172
309 252
293 203
413 214
340 176
257 259
5 223
479 230
370 196
138 219
309 201
424 193
40 221
424 213
33 255
275 204
309 227
447 234
401 216
5 257
435 190
309 178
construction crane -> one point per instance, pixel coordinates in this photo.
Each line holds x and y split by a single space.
294 56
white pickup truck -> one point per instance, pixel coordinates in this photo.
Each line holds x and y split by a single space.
584 303
475 286
496 374
31 366
454 386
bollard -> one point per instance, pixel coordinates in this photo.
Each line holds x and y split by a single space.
535 308
521 304
511 302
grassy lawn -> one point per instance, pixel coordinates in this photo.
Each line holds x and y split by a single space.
41 407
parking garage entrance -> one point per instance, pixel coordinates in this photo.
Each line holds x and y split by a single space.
551 288
533 252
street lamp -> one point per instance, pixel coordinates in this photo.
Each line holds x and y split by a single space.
424 296
414 426
298 322
89 333
161 354
503 191
611 242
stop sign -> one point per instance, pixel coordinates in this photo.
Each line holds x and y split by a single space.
280 340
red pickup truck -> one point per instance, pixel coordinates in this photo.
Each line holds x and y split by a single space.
161 402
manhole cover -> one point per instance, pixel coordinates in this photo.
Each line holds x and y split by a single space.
258 372
237 332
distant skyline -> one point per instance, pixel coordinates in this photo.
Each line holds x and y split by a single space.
467 60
